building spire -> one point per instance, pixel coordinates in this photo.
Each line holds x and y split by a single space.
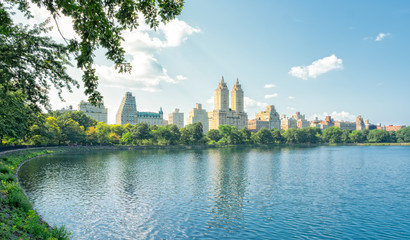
222 81
237 81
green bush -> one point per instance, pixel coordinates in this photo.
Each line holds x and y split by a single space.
17 199
8 177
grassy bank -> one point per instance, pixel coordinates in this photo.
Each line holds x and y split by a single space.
18 220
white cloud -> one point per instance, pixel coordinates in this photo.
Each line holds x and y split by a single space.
251 103
269 96
339 116
317 67
180 77
291 97
381 36
269 86
147 73
141 46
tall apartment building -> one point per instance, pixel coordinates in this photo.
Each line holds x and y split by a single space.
345 125
360 123
176 118
222 114
127 113
198 114
98 112
301 121
287 122
265 119
296 121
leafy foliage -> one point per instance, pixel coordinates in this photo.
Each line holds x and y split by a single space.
98 24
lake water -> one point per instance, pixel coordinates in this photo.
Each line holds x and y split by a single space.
237 193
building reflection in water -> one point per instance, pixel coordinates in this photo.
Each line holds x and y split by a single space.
230 182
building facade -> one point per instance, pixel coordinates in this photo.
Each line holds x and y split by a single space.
265 119
198 114
98 112
345 125
127 113
360 123
301 121
222 114
287 122
176 118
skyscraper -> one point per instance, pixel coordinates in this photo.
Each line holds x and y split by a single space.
127 112
222 114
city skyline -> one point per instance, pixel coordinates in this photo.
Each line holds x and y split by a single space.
318 58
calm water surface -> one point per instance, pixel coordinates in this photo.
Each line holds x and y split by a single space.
320 192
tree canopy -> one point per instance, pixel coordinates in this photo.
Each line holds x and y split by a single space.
31 62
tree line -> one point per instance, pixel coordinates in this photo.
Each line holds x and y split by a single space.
76 128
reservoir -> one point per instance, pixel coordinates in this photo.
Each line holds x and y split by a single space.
237 193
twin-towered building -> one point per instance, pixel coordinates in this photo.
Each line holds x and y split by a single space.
222 113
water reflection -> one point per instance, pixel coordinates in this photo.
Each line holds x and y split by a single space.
266 192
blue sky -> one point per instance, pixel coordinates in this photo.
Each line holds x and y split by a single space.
342 58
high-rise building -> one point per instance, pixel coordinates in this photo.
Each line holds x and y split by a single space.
266 119
237 99
287 122
127 113
301 121
360 123
222 114
198 114
98 112
176 118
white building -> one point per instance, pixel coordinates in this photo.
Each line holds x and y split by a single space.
176 118
198 114
98 112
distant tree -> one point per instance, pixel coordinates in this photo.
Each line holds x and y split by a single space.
357 136
175 133
128 127
79 117
403 135
214 135
345 138
71 132
117 129
127 138
103 132
162 135
191 133
312 134
291 135
91 136
140 132
114 138
53 131
263 136
332 135
277 136
229 135
378 136
245 135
